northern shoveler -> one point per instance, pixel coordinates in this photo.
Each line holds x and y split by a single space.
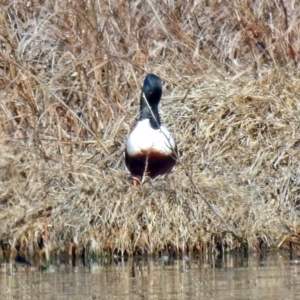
150 148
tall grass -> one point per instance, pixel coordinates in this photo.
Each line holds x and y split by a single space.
70 76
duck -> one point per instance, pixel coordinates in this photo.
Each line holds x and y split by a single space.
150 148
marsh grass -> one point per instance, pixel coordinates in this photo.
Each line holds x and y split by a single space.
71 75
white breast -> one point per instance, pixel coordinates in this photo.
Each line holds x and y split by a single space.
144 137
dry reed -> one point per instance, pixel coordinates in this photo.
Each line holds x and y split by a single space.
70 76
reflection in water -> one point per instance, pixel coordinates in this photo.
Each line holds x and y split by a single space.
261 276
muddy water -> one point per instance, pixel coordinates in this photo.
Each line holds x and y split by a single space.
231 277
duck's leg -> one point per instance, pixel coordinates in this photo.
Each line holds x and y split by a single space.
135 181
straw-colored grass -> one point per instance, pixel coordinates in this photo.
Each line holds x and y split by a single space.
71 75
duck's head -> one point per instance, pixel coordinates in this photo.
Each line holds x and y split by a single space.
152 89
151 94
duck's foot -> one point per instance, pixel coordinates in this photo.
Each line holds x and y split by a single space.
135 181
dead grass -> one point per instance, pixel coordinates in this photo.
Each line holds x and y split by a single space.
70 76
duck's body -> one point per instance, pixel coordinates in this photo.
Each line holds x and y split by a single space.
150 148
149 151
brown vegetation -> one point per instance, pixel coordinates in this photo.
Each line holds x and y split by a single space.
70 77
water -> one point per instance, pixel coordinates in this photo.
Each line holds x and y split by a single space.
232 277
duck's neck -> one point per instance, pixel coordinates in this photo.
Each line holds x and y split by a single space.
149 112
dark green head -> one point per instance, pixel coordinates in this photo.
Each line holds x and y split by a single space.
152 91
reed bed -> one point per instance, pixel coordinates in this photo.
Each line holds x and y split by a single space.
71 75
